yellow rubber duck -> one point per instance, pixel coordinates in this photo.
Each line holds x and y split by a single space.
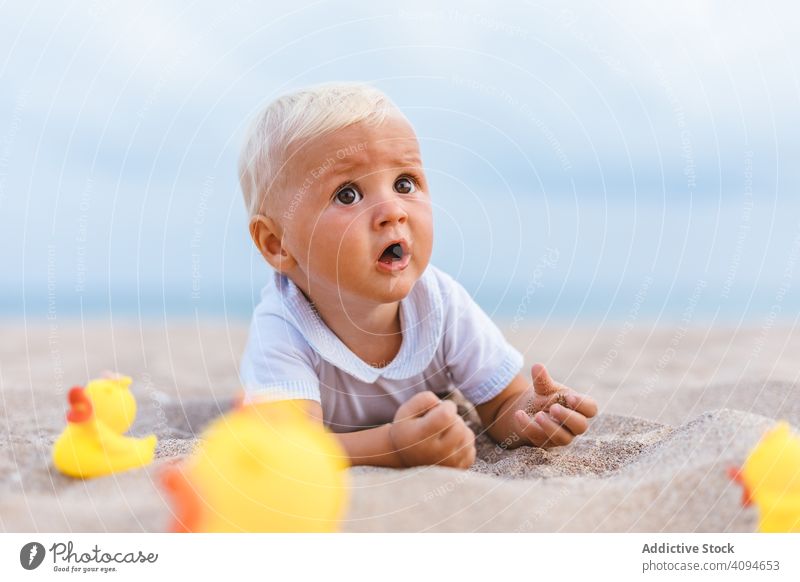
88 447
770 478
261 468
112 401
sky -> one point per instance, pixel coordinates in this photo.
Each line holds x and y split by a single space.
587 161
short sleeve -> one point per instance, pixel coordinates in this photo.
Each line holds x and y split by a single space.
480 360
277 363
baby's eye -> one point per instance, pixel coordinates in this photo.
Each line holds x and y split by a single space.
404 185
348 196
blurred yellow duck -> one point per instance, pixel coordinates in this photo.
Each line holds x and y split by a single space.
261 468
112 401
89 447
770 478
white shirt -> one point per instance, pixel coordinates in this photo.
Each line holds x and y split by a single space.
448 341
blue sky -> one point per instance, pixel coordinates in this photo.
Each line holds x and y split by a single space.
640 141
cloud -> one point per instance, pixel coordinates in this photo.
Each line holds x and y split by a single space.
647 104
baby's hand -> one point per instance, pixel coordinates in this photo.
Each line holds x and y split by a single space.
556 414
429 431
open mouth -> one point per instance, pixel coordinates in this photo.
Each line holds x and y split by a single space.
395 256
394 252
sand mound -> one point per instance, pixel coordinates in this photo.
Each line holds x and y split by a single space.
625 474
666 473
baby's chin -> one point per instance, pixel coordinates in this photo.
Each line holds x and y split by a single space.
389 288
398 290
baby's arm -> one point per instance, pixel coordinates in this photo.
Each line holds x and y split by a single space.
425 431
545 414
371 446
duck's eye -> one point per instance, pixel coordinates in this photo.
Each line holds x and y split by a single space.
404 185
348 196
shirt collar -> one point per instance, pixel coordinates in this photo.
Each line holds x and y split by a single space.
421 322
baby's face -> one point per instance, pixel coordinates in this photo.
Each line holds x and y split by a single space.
357 215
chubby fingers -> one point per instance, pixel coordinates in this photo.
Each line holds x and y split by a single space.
586 405
417 406
543 383
457 434
572 420
457 445
448 435
542 430
437 420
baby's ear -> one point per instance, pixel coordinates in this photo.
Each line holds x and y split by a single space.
267 236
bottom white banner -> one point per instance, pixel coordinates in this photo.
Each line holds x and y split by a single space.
405 557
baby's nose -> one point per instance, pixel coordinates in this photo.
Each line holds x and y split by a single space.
388 213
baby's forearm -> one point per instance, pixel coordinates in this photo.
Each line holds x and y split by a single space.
371 446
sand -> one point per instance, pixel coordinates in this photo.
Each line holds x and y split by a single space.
678 407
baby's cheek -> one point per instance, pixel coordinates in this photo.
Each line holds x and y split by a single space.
423 219
424 240
333 244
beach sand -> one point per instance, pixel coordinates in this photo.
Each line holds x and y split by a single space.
679 405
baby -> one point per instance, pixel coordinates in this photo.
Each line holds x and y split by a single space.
356 322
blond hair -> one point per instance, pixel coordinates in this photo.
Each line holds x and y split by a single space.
294 118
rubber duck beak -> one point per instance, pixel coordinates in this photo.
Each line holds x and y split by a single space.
187 502
735 474
80 406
